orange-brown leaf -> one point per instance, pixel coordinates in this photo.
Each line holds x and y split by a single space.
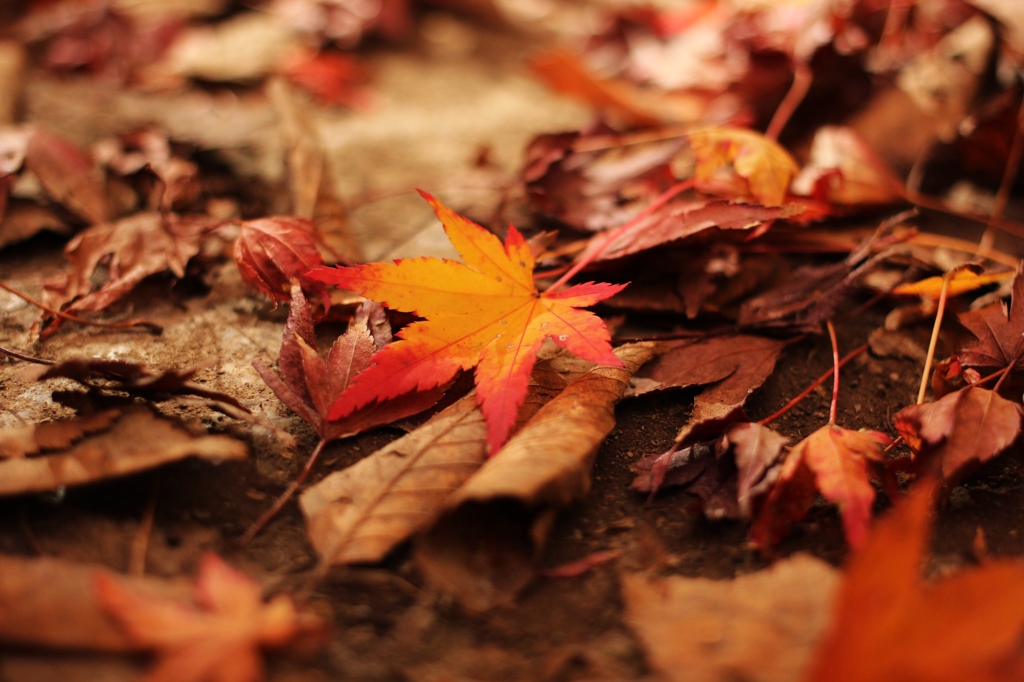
485 312
765 168
889 624
835 462
216 639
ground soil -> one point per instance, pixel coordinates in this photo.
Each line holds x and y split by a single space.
387 625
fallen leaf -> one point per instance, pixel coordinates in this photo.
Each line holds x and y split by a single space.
67 174
50 602
333 78
310 384
272 252
843 169
361 513
132 249
835 462
486 312
732 366
760 627
563 72
757 450
960 431
216 639
29 439
764 168
682 219
997 331
890 624
484 548
962 282
135 441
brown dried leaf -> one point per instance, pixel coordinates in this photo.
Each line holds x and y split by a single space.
735 365
50 603
361 513
309 384
483 549
960 431
29 439
997 329
681 219
132 249
216 639
760 627
67 174
843 169
136 441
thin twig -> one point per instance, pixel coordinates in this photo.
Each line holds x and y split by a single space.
814 384
151 326
802 78
835 372
27 358
140 545
935 336
279 503
1009 177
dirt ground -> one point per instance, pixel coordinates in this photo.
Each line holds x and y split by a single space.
458 89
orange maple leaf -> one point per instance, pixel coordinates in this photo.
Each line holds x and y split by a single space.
484 312
217 639
891 624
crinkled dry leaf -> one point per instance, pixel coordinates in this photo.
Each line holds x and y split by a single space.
216 639
361 513
760 627
889 624
997 329
132 249
960 431
309 384
135 441
485 313
835 462
483 548
733 365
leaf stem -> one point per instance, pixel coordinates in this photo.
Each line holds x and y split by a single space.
802 77
835 372
27 358
151 326
289 492
935 336
613 234
814 384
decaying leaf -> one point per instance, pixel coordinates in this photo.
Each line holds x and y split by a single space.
50 602
362 512
682 219
66 173
761 627
729 476
217 638
132 249
29 439
764 169
837 463
960 431
731 366
484 547
997 329
889 624
486 313
310 384
272 252
134 441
